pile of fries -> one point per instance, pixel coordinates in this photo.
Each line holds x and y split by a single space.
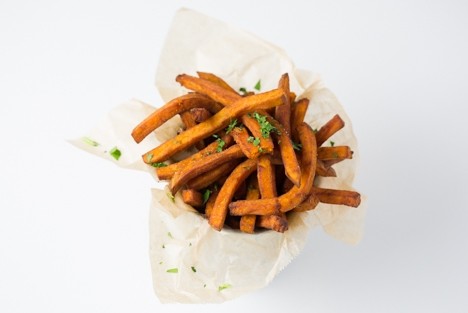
256 158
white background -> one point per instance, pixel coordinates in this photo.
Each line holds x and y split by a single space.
74 228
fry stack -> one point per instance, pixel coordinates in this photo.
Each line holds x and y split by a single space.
257 159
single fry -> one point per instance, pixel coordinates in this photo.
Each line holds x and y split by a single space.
247 222
170 109
329 129
210 177
277 223
166 172
333 196
298 112
248 147
291 166
238 175
208 88
283 112
296 195
197 168
216 123
217 80
192 197
332 153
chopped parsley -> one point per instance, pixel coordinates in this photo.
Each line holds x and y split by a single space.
90 142
265 126
194 269
243 90
258 85
297 146
231 126
224 286
206 195
174 270
170 196
250 139
163 246
149 156
332 143
315 130
221 143
158 164
115 153
169 234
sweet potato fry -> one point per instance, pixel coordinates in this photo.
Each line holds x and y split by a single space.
266 144
291 166
333 196
247 222
238 175
337 152
324 170
329 129
215 123
298 112
210 177
166 172
170 109
296 195
329 163
192 197
208 88
248 147
217 80
267 186
283 112
197 168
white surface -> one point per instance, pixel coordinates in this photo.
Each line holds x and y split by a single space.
399 69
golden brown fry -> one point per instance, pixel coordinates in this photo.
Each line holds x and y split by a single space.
217 80
296 195
189 121
241 137
330 128
283 112
247 222
238 175
332 153
333 196
170 109
208 88
267 186
298 112
166 172
329 163
210 177
197 168
192 197
210 203
217 122
291 166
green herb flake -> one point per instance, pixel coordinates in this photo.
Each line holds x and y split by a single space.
161 262
204 285
251 139
265 126
221 144
194 269
170 196
174 270
231 126
315 130
224 286
115 153
169 234
256 142
190 244
297 146
158 164
90 142
163 246
258 85
332 143
206 195
243 90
